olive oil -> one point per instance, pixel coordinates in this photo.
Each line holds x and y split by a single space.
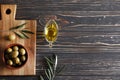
51 31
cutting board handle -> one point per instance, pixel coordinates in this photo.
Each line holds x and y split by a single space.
8 12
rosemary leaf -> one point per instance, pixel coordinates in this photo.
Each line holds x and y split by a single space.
56 61
51 59
50 68
20 35
25 35
27 31
47 74
59 69
41 78
47 59
17 27
50 76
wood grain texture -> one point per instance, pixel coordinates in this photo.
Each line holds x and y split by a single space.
88 43
8 21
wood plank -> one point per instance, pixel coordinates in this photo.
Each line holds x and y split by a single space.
102 64
72 6
88 77
62 1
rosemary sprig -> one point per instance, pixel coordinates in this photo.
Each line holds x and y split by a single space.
20 31
51 71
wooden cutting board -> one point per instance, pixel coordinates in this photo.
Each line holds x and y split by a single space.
7 21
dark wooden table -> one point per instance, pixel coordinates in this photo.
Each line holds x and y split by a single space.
89 37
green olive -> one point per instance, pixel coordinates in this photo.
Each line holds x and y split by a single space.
14 54
19 63
11 37
15 48
10 62
9 50
23 58
16 60
22 51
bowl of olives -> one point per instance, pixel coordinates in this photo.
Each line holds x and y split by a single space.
15 56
